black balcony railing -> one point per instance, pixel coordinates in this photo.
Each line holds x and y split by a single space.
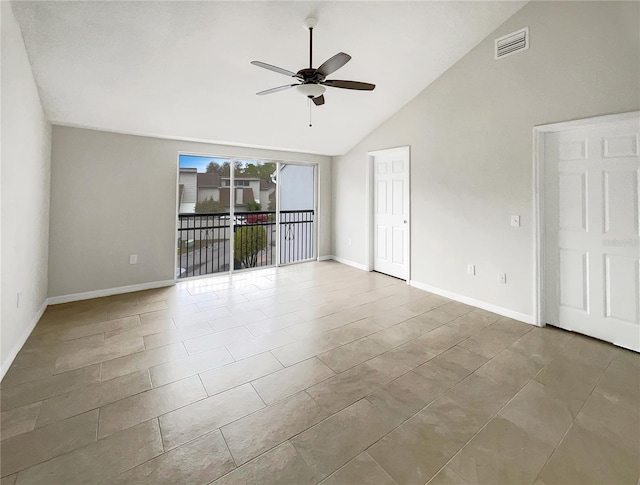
204 240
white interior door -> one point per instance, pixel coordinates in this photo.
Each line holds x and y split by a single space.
592 253
391 212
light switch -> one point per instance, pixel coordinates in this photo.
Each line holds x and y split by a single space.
133 259
515 221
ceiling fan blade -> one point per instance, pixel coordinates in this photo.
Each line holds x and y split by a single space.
334 63
319 101
335 83
264 65
279 88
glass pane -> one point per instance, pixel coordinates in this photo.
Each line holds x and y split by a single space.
204 225
254 195
296 212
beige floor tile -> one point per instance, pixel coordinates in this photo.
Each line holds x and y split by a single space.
442 338
510 368
447 476
149 404
142 330
216 340
189 366
177 335
256 433
40 389
416 450
389 318
488 342
501 453
585 457
10 480
342 390
305 349
274 323
480 395
17 375
92 397
85 357
291 380
281 465
541 415
19 420
426 303
354 353
36 446
572 383
406 395
232 321
199 418
451 366
589 351
513 327
142 360
620 379
99 461
200 461
616 419
74 331
332 443
33 354
205 316
405 331
240 372
542 344
151 306
362 470
257 345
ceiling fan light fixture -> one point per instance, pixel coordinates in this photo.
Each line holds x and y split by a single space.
311 90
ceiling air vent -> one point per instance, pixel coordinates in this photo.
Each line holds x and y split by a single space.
512 43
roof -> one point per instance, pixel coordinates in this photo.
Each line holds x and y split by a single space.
266 185
208 180
188 169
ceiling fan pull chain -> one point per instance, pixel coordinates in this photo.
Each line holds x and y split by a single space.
309 103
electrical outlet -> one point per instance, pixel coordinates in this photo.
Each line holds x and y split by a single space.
515 221
471 269
349 241
503 278
133 259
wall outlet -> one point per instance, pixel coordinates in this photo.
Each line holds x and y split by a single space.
515 221
349 241
503 278
471 269
133 259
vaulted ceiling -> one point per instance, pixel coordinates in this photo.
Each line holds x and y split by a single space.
182 69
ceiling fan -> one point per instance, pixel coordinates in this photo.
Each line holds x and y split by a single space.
311 82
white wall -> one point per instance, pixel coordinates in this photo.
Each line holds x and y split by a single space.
113 195
470 134
26 162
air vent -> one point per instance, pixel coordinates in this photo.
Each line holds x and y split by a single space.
512 43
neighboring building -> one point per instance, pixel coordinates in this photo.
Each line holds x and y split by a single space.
195 187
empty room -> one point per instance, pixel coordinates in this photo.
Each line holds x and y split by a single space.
290 242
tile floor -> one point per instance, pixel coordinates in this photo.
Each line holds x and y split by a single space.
313 373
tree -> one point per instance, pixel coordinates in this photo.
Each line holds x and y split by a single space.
248 242
253 206
209 205
221 169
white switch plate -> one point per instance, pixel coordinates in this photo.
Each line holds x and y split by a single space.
471 269
515 221
503 278
133 259
349 241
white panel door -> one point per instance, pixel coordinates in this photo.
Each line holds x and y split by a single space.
592 243
391 212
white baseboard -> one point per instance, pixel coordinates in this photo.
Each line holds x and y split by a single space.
348 263
8 360
326 257
505 312
55 300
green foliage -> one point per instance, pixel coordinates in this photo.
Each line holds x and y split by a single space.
209 205
248 242
253 206
222 169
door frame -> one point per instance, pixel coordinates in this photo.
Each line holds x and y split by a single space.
369 236
539 134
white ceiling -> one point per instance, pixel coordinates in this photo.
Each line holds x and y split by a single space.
182 69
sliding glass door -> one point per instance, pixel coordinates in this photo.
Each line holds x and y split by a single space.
229 218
